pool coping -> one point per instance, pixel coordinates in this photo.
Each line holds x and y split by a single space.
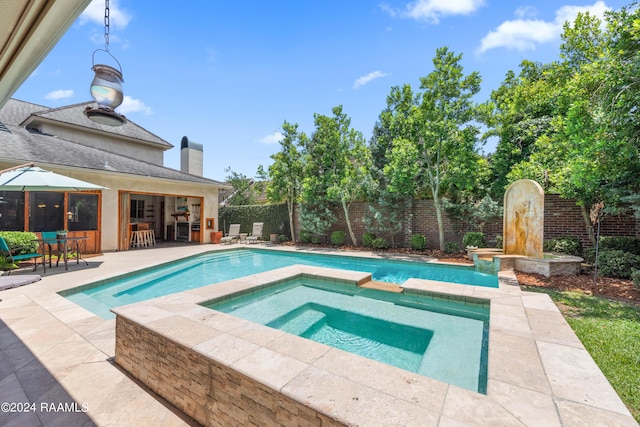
536 349
539 373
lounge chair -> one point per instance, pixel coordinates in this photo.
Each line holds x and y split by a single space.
13 259
256 233
233 234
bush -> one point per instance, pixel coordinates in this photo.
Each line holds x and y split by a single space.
283 238
367 239
589 255
21 242
338 238
617 264
305 236
379 243
563 245
498 241
418 242
635 277
474 238
451 247
625 244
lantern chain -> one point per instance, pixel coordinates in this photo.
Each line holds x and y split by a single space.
106 25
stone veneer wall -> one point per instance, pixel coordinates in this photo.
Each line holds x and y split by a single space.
209 392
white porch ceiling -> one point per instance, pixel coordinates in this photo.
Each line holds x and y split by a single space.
28 31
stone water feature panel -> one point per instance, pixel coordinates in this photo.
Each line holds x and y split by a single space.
523 228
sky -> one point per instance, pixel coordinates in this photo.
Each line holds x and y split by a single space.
228 74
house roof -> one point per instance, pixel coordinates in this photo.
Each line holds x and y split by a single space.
20 144
74 115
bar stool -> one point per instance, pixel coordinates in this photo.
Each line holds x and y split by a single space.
151 237
143 235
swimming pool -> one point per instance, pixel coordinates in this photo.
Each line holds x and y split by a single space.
442 339
219 266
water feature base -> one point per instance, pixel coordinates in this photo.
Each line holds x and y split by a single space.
491 261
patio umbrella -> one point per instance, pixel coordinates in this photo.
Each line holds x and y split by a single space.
32 178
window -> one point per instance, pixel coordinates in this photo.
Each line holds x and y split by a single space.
46 211
83 212
11 211
137 209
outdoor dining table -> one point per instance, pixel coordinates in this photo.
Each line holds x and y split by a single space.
74 242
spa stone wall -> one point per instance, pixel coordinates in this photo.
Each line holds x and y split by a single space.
209 392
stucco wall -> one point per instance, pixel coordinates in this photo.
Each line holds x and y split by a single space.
151 154
115 182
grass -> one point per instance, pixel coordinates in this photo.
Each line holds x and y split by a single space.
610 331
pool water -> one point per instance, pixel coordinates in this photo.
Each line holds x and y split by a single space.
441 339
220 266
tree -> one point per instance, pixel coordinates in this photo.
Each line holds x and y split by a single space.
523 110
447 131
336 170
589 152
244 189
285 173
391 198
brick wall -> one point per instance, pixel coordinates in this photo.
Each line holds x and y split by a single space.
563 218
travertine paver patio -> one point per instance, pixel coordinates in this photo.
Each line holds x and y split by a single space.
53 351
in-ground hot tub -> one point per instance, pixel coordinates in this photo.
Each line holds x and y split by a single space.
440 338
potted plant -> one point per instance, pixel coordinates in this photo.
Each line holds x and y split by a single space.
62 234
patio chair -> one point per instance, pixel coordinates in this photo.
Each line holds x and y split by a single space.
13 259
256 233
233 234
49 239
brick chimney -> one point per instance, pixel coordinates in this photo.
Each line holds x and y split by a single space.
190 157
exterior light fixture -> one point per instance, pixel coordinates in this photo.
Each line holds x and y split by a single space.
106 87
69 215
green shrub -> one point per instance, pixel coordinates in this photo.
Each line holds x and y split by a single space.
305 236
379 243
635 277
589 255
283 238
625 244
563 245
367 239
338 238
617 263
274 217
418 242
451 247
474 238
5 264
498 241
21 242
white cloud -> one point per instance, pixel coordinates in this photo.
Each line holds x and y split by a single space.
526 12
272 138
569 13
526 34
361 81
95 12
59 94
130 105
432 10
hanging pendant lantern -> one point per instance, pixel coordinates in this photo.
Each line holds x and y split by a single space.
106 87
106 90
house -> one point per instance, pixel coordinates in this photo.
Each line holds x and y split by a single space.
127 160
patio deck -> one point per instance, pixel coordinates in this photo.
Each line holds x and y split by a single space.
53 351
